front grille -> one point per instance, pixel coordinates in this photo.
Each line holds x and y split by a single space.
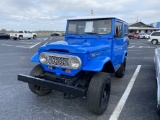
58 61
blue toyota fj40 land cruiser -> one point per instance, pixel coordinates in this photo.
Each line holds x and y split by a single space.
80 65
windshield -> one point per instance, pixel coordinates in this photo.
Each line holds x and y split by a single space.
89 26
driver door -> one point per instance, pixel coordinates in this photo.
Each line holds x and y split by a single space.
118 44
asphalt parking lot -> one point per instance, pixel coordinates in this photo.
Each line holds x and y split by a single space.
18 103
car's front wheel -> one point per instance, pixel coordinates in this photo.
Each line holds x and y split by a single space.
20 37
34 37
154 42
98 93
41 91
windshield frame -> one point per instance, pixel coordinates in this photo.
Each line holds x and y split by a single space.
88 20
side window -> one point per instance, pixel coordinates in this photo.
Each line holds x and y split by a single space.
25 31
154 34
118 30
20 31
158 33
125 30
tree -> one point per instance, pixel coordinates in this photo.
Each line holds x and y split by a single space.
3 30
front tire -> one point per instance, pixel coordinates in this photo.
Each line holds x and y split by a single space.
34 37
98 93
154 42
36 71
20 37
121 71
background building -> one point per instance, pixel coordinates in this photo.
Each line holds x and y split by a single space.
140 27
156 24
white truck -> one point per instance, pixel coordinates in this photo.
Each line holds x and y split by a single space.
23 35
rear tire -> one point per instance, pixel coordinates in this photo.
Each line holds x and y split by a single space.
154 42
121 71
98 93
36 71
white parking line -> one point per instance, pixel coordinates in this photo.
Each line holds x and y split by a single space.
45 39
34 45
125 95
131 47
15 46
51 38
45 43
141 47
28 42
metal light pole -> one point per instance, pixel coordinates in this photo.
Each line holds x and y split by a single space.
92 12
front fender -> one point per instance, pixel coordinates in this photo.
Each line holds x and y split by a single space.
35 58
96 64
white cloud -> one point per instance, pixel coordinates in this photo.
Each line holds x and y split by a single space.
52 14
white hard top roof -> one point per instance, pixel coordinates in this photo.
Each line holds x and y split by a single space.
89 17
92 17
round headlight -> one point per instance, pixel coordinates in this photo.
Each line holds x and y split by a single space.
43 58
75 63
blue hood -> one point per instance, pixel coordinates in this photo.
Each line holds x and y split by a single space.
79 45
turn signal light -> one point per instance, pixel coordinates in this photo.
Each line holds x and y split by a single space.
68 71
50 67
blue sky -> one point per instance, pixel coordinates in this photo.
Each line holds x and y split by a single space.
52 14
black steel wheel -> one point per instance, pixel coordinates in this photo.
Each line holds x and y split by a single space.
121 71
98 93
34 37
41 91
154 42
20 37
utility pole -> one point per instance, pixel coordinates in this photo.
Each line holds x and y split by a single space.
137 19
92 12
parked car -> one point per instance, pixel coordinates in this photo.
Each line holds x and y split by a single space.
63 34
23 35
130 35
144 35
4 36
136 35
157 68
133 35
79 65
55 34
154 37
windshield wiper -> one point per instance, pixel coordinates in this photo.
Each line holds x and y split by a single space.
92 33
